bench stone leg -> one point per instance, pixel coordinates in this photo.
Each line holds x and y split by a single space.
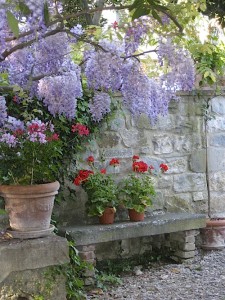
183 245
87 253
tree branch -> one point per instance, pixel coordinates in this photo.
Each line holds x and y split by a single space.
6 53
139 54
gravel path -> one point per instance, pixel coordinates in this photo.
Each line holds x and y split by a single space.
202 278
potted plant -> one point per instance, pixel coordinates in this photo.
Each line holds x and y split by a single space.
101 191
28 167
137 190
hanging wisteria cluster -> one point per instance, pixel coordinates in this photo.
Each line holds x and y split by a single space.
39 60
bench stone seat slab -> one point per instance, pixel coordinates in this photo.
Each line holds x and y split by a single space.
155 225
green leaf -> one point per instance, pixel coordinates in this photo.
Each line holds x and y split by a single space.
136 4
140 11
24 9
46 13
13 23
2 212
156 16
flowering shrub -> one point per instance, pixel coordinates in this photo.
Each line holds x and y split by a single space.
29 152
137 190
99 186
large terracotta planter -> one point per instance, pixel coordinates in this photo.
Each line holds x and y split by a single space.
108 216
135 216
213 235
29 208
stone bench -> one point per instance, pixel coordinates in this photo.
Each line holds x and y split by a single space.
181 228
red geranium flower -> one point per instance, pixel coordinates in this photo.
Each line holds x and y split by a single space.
90 159
164 167
103 171
82 176
114 162
140 166
135 157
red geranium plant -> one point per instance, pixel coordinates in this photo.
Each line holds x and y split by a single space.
99 186
137 190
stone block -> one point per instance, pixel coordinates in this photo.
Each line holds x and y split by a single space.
20 255
44 283
119 153
87 255
88 248
198 161
184 254
200 196
217 140
187 246
163 144
89 281
216 159
218 105
177 165
189 182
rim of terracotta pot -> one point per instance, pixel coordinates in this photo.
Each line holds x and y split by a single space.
26 189
215 222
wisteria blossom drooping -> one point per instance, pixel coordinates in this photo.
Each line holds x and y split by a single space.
103 68
3 110
60 93
100 106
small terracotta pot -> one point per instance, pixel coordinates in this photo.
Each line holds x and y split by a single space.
136 216
108 216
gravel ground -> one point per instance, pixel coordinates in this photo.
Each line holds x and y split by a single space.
202 278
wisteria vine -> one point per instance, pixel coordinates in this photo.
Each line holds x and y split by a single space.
39 60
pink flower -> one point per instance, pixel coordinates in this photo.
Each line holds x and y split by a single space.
80 129
115 25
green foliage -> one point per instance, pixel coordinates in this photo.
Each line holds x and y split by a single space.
74 274
102 192
30 162
136 191
210 60
106 280
71 143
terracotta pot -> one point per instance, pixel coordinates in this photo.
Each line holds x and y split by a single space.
29 208
213 235
108 216
135 216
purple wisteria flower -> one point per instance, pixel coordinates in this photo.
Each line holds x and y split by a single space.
100 106
9 139
60 93
3 110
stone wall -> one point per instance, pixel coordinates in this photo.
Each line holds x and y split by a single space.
178 139
216 156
